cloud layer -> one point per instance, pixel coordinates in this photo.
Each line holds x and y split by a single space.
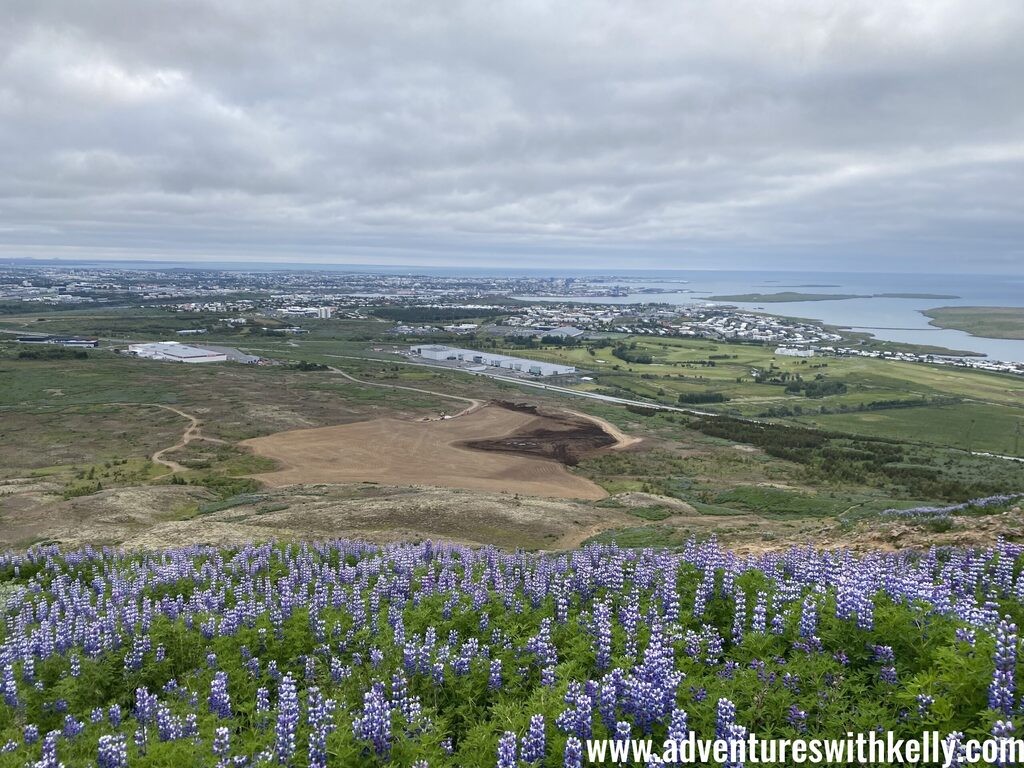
781 133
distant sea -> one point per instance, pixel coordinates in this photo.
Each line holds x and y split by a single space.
890 319
886 318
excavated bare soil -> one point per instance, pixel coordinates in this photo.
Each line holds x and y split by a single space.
514 450
566 438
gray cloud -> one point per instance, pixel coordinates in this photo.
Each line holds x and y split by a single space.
782 132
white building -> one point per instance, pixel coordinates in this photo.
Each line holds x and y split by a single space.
325 313
492 359
794 352
173 351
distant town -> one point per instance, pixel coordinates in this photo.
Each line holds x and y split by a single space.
422 306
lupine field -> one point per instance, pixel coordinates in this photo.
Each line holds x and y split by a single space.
437 655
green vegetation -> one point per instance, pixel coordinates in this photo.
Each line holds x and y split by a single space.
869 434
791 296
785 296
855 395
651 513
990 322
52 353
433 314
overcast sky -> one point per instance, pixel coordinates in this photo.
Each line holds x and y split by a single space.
760 133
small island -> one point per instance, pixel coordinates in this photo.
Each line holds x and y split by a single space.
786 296
916 296
791 296
987 322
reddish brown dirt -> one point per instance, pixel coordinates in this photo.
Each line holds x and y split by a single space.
437 453
566 438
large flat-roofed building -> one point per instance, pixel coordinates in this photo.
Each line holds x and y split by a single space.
491 359
172 351
64 341
794 352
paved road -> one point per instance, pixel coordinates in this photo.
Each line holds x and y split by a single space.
542 385
608 398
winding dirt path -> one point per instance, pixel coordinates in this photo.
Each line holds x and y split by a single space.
192 432
622 440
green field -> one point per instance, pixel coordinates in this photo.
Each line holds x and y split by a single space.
884 398
90 423
990 322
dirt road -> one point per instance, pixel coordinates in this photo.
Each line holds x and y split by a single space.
192 432
474 404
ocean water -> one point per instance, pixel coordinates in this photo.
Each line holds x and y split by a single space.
886 318
891 319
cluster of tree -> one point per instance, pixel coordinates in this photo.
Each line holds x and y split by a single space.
535 342
783 411
880 462
642 410
302 365
819 386
423 314
631 354
784 441
52 353
700 398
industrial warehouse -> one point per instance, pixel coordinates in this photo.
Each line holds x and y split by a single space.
491 359
174 352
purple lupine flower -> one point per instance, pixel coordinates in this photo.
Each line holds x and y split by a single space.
112 752
374 724
602 628
9 685
222 745
1002 732
494 681
924 704
809 618
507 750
1001 689
534 745
725 717
573 756
72 727
320 714
287 720
219 700
678 727
797 718
262 707
959 749
49 756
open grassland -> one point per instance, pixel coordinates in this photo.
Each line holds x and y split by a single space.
76 435
904 401
991 322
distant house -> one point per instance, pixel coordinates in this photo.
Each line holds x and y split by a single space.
191 331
